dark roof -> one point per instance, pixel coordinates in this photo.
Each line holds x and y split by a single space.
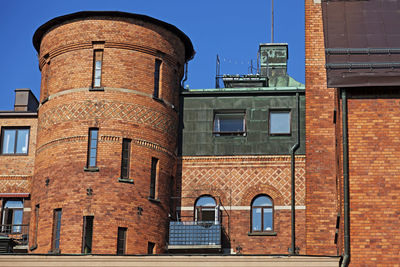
362 42
42 30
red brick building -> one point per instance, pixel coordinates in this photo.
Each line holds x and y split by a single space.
352 105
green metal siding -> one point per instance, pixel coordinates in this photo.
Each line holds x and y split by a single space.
198 115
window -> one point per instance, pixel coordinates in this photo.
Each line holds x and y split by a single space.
97 65
229 123
92 147
157 66
262 214
125 158
279 122
14 141
87 234
121 240
206 209
12 216
150 247
55 244
35 233
153 177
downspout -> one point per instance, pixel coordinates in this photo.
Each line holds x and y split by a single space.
186 71
346 191
293 249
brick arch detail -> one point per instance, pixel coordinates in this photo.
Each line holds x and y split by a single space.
214 192
260 189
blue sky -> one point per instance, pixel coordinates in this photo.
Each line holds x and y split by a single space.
233 29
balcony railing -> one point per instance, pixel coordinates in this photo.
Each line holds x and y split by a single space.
18 232
194 235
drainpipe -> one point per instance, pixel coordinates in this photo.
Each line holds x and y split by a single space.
293 249
346 193
186 71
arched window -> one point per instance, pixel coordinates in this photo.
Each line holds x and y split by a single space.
262 214
205 208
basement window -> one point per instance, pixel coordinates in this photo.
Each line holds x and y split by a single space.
229 123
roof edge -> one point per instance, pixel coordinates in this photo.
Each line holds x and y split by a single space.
42 30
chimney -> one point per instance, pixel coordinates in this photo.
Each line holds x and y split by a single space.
273 59
25 100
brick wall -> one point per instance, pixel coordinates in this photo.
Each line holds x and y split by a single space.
235 181
125 109
321 195
373 128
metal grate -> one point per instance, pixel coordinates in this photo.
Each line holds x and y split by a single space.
194 233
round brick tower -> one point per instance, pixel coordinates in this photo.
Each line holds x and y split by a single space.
107 132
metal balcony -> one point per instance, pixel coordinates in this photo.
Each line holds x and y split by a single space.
204 235
18 232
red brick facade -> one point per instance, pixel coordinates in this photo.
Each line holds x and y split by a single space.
234 181
122 108
321 175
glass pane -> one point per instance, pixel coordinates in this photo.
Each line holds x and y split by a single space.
13 204
22 141
256 219
97 82
229 123
98 65
93 134
206 201
8 141
92 162
268 222
93 143
262 201
17 220
279 122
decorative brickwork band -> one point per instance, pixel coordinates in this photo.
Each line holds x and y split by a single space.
103 138
90 109
88 45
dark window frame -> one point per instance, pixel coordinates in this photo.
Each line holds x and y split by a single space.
16 128
150 247
125 159
198 210
89 151
262 215
270 111
229 112
8 215
56 233
87 234
154 173
97 54
121 240
157 77
35 232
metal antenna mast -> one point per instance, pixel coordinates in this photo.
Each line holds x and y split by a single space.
272 21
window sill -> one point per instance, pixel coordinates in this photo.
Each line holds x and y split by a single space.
32 248
262 233
91 169
155 200
15 154
128 181
158 99
226 134
44 100
101 89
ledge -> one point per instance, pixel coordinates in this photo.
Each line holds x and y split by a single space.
155 200
262 233
91 169
101 89
128 181
32 248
